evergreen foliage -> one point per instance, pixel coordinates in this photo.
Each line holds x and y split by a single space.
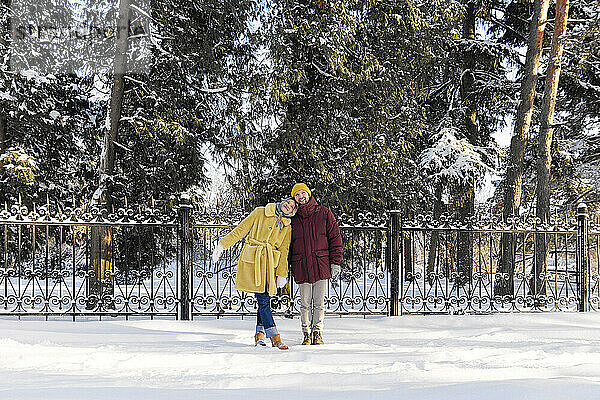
573 146
358 99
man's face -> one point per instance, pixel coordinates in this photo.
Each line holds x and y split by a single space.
288 207
301 196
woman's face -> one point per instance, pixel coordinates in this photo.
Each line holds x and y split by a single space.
288 207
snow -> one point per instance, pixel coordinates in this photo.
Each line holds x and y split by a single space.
31 74
508 356
451 159
6 96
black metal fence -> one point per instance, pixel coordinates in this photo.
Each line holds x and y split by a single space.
361 289
71 262
485 265
81 263
152 264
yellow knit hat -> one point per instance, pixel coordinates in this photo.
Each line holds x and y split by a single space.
300 186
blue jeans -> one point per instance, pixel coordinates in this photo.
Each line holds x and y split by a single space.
264 316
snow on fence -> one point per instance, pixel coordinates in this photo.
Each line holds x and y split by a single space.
60 261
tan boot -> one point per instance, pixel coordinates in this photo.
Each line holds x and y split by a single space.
276 342
317 339
306 339
259 338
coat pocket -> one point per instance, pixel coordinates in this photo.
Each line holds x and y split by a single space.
296 259
323 263
249 253
322 253
296 262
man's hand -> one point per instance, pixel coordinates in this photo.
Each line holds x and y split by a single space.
335 271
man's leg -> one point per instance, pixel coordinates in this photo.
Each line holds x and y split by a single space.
318 296
305 306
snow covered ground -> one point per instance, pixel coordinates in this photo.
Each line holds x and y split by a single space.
527 356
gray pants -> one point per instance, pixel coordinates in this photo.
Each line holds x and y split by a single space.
312 305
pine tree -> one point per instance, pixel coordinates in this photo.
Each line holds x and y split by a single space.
514 173
575 145
537 283
346 107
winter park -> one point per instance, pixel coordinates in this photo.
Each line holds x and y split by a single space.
305 199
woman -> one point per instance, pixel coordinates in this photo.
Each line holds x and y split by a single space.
263 263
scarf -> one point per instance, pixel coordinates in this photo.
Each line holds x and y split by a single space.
279 215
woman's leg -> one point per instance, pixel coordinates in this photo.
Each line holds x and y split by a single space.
259 325
266 316
259 336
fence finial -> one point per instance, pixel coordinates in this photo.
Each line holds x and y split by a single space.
185 199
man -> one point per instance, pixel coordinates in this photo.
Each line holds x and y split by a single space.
315 256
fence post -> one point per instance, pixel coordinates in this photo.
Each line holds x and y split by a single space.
185 252
394 262
582 259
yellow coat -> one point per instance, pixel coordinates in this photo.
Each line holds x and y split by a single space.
265 253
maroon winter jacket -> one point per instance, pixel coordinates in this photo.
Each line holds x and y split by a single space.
316 243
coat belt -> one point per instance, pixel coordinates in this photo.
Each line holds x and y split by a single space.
262 246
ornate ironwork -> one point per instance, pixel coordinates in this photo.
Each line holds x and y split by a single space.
148 262
47 266
360 289
438 276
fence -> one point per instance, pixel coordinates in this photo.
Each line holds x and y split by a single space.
146 263
485 265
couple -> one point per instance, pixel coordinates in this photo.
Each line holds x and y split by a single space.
307 234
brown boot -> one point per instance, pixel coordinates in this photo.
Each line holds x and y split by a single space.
276 342
317 339
259 338
306 339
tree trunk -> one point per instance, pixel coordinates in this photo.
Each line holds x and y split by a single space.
464 245
2 131
468 78
466 202
435 237
107 160
537 283
407 247
101 238
513 181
